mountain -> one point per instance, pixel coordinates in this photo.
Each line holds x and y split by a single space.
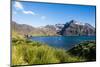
24 29
21 28
71 28
76 28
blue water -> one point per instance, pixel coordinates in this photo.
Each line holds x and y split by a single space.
65 42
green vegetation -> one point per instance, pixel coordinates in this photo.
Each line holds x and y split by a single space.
86 50
31 52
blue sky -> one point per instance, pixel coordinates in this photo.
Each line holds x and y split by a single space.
41 14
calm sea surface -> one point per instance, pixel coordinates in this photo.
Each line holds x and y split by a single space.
65 42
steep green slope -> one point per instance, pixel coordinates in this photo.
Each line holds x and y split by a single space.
26 52
86 50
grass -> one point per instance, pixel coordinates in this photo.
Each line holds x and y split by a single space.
85 49
25 52
31 53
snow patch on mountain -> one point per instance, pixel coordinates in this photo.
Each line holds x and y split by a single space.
78 23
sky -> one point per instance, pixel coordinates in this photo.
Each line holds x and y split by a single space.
40 14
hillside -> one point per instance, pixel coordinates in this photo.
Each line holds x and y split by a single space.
71 28
27 52
85 49
24 29
76 28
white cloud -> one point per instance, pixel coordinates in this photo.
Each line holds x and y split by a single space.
19 5
28 12
43 17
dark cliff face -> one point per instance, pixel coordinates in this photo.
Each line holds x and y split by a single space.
72 28
76 28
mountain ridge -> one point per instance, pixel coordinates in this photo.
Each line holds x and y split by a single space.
71 28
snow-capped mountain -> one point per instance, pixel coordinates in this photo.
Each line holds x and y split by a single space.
71 28
76 28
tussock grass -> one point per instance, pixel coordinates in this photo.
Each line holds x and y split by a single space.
25 52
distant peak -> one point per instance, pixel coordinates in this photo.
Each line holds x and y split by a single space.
73 21
76 22
88 25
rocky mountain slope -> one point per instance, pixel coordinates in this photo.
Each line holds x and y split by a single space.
76 28
71 28
24 29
